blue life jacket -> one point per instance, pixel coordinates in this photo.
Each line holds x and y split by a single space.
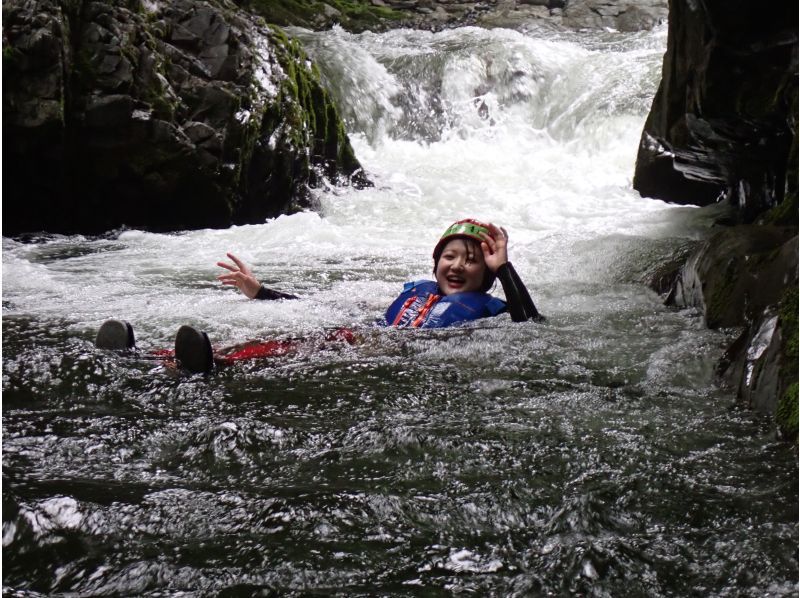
421 305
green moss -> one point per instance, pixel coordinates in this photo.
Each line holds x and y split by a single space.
284 12
786 414
721 295
788 317
785 213
311 113
9 57
365 11
355 15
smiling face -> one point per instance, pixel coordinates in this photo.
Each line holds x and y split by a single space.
460 268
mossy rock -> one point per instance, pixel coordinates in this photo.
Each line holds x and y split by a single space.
786 415
353 15
737 273
189 114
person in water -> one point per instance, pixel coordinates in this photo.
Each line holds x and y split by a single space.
467 260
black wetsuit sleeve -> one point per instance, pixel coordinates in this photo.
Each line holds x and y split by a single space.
270 295
520 304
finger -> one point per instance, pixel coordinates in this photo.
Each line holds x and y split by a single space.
495 231
233 276
227 266
237 261
489 241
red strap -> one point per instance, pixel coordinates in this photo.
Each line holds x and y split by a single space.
424 311
406 305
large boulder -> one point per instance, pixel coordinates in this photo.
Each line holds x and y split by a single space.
159 115
723 122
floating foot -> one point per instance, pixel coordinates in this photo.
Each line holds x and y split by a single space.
115 335
193 350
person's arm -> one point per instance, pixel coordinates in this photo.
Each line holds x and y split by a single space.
242 278
271 294
520 304
495 254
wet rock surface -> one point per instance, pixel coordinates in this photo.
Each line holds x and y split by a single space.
380 15
737 273
723 122
746 277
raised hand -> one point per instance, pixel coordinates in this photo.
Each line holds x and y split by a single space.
240 276
495 247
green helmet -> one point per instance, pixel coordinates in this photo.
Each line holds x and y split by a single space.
463 228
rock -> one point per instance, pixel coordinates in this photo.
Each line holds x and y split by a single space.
747 276
737 273
761 365
721 124
380 15
198 132
174 115
112 111
754 363
618 15
331 12
723 128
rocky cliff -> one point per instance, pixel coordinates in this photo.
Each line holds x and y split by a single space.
723 127
158 115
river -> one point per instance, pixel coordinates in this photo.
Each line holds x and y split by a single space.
591 454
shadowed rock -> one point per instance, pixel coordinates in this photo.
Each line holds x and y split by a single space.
746 277
159 115
721 122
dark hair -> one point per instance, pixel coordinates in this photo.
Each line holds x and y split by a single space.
472 246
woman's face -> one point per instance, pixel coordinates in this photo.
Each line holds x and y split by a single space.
461 267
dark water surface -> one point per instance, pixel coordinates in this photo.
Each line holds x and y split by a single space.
498 459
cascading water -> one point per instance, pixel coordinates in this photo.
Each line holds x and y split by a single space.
591 454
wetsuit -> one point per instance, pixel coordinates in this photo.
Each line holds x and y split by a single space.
520 304
271 295
420 305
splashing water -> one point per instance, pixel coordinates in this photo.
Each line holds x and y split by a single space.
591 454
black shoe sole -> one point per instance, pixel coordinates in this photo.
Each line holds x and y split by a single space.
115 335
193 350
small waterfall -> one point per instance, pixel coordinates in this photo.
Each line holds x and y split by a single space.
428 87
